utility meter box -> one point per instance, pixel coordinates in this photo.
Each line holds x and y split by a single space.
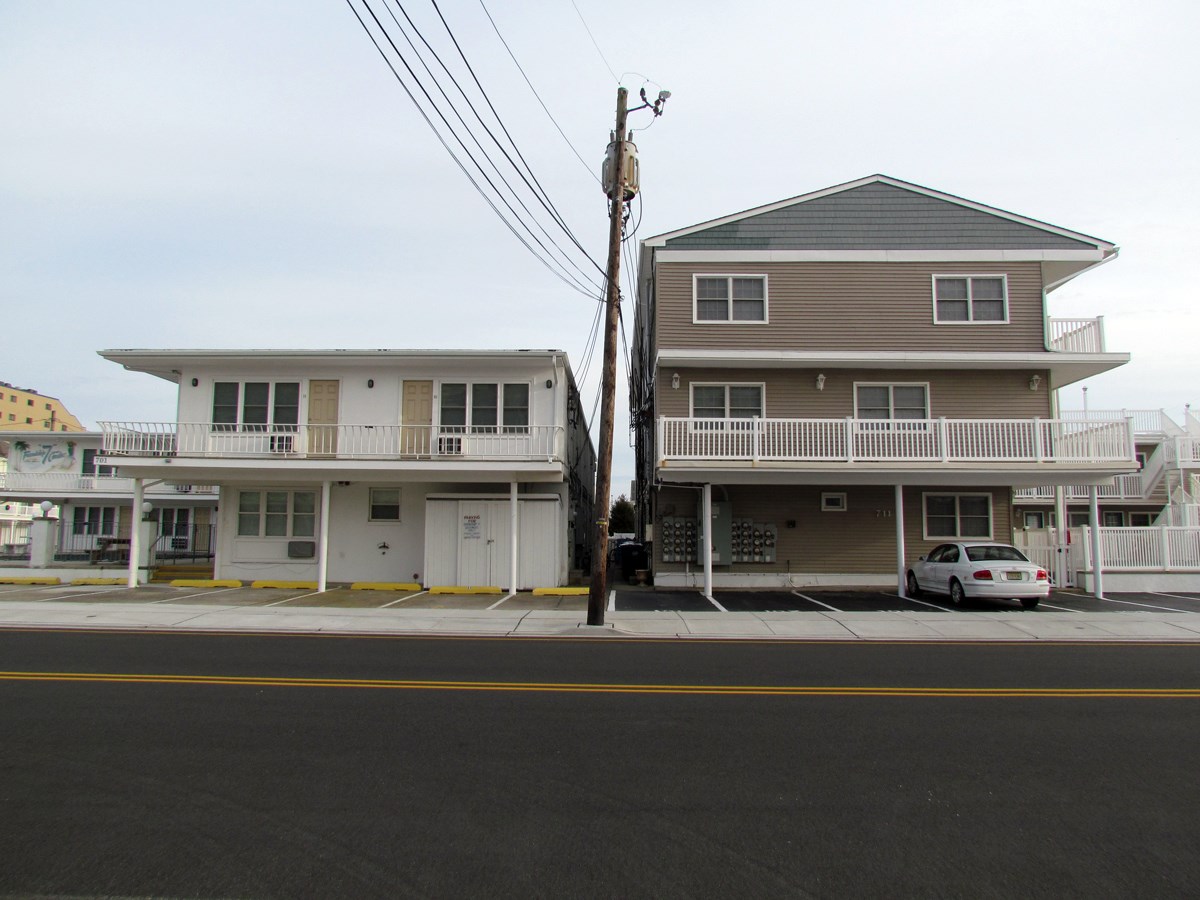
722 533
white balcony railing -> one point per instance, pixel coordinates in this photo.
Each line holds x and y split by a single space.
1183 452
1076 335
72 482
208 441
1148 422
1124 487
896 441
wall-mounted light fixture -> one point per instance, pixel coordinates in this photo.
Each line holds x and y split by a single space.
370 382
675 381
147 508
549 383
821 381
1034 382
195 382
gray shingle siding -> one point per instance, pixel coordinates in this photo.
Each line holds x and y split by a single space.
874 217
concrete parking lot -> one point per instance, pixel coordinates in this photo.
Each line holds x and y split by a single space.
621 599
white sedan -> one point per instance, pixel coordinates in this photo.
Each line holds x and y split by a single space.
979 570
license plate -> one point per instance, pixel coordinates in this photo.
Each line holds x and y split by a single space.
1015 576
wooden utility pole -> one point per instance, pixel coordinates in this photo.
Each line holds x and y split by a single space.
597 592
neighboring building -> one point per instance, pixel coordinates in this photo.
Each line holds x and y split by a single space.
15 516
853 376
95 506
24 409
376 465
1165 490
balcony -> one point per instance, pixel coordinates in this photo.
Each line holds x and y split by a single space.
1124 487
1075 335
56 484
332 442
901 441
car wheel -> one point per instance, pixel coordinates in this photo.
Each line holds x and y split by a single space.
957 595
1029 602
913 589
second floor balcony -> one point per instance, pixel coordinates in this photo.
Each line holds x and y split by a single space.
55 484
207 440
902 441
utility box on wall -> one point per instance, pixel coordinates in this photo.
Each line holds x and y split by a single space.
722 530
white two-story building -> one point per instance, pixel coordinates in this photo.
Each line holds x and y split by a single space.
468 468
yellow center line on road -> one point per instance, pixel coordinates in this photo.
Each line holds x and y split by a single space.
571 687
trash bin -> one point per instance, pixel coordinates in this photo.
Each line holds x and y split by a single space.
631 556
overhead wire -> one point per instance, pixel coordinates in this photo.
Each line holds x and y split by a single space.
594 44
467 129
551 263
513 56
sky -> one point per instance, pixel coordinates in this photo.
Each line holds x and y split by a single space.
251 174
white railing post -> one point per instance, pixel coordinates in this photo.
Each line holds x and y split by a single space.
1037 438
756 438
849 439
1165 539
944 438
1100 333
662 432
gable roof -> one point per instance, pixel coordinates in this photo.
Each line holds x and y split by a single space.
877 213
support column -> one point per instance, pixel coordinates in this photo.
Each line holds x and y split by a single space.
323 539
514 527
43 538
135 531
1061 530
900 551
706 531
1097 556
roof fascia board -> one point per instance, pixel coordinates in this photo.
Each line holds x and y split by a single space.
660 240
788 256
879 359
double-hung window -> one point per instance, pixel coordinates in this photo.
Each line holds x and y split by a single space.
97 520
738 402
256 406
277 513
961 516
485 408
970 298
891 401
730 298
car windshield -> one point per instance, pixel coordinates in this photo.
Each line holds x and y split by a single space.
995 552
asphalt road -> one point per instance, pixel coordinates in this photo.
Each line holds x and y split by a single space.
171 765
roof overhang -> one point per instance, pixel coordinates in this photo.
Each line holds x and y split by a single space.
1064 368
1013 475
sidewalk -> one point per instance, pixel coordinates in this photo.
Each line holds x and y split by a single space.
804 626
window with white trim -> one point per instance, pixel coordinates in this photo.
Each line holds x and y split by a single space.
727 401
256 406
729 298
891 401
957 516
485 408
1114 519
277 514
970 298
385 505
833 501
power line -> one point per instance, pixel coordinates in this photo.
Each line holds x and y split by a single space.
538 96
594 44
561 275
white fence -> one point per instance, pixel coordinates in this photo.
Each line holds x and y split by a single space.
1077 335
1153 549
896 440
1123 487
210 440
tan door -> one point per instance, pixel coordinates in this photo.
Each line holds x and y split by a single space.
322 418
416 418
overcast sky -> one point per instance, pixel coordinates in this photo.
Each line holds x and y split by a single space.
250 173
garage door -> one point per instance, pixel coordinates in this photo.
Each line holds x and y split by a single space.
467 543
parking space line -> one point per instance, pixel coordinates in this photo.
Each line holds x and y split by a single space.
612 600
1174 596
713 601
290 599
816 601
190 596
73 596
1132 603
915 600
1063 608
402 599
501 600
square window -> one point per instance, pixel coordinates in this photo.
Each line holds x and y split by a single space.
730 298
958 516
385 505
970 298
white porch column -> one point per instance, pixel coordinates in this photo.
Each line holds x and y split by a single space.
323 537
135 531
706 530
1061 530
514 527
1097 556
900 552
43 538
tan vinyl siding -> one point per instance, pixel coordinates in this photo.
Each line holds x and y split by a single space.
792 393
850 306
860 540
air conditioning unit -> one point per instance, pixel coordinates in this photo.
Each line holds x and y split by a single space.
282 443
449 445
183 488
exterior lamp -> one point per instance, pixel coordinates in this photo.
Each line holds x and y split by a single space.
675 381
821 381
1034 382
46 507
147 508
